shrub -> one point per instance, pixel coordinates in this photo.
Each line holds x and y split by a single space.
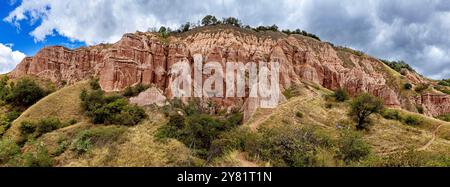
72 122
299 114
25 93
232 21
110 109
444 82
419 109
8 150
94 83
48 125
135 90
292 146
27 127
407 86
39 159
362 107
412 120
193 125
445 117
352 147
4 87
398 65
99 136
421 87
391 114
341 95
40 127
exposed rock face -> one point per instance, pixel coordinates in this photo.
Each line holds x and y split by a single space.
149 97
144 58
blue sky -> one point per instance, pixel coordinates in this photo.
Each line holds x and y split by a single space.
416 31
20 37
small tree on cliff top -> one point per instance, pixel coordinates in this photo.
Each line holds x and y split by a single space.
209 20
362 107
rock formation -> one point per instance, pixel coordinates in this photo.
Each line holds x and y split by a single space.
146 58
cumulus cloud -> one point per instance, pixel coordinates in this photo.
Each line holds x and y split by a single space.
9 58
412 30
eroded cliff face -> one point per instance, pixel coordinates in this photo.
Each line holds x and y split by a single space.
146 58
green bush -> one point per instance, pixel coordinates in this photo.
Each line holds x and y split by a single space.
407 86
8 150
135 90
40 127
398 65
352 147
4 87
194 126
99 136
292 146
94 83
299 114
341 95
412 120
27 127
362 107
391 114
72 122
25 93
110 109
421 87
444 82
39 159
48 125
444 117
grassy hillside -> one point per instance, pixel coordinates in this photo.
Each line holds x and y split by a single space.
63 104
312 108
86 144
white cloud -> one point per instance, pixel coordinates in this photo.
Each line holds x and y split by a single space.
9 58
398 29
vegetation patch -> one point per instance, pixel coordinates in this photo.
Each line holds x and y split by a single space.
444 117
362 107
198 126
398 65
100 136
113 109
132 91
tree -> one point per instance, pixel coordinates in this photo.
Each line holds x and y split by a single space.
185 27
162 29
362 107
232 21
209 20
25 93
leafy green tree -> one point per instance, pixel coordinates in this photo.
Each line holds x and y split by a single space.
25 93
232 21
185 27
362 107
209 20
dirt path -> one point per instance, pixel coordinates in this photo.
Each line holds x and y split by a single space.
431 140
244 162
265 115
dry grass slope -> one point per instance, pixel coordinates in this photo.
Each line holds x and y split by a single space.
63 104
